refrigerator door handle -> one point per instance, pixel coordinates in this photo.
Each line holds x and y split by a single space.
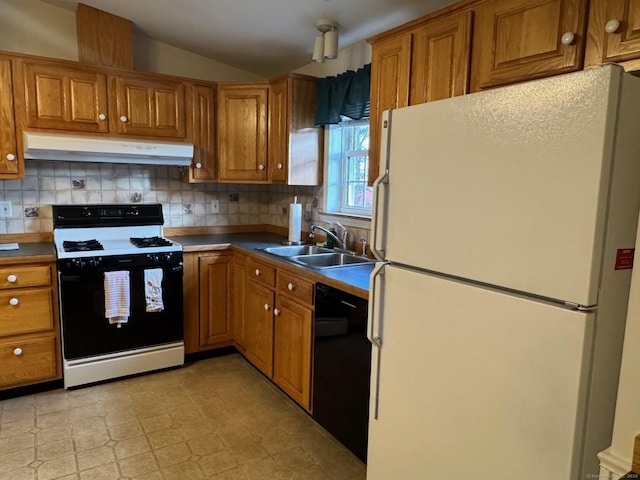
377 217
373 335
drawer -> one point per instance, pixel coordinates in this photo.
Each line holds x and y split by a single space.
27 361
25 276
262 273
23 311
295 287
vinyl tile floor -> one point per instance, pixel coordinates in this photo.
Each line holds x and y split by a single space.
212 419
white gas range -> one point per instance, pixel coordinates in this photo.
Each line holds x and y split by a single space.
114 258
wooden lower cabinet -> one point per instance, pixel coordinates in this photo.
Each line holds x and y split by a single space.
238 291
215 300
29 331
259 327
292 350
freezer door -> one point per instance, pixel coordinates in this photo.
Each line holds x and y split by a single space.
476 381
511 186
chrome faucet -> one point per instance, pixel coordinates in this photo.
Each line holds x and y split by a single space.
342 242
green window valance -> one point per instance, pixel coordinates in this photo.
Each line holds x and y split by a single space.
345 95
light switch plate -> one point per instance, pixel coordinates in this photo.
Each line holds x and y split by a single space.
5 209
215 206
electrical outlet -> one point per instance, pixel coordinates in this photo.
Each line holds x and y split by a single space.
5 209
215 206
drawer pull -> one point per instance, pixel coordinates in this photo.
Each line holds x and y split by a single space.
266 306
258 272
17 351
102 116
14 301
290 287
11 157
12 279
124 119
276 312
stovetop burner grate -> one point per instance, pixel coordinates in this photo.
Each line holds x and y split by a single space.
82 245
147 242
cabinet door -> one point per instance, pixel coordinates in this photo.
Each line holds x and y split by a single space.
203 167
292 350
148 107
10 164
64 98
441 59
215 300
390 67
516 40
242 132
238 287
621 44
259 324
279 101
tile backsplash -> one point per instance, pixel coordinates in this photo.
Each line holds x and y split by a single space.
47 183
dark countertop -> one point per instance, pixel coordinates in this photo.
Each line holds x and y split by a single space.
354 279
29 253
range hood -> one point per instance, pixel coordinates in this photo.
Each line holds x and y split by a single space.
72 148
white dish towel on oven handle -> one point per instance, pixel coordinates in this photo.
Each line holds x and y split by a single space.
117 297
153 290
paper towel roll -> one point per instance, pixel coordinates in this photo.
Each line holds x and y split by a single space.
295 222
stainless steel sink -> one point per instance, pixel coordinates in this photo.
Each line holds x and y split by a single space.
330 260
294 250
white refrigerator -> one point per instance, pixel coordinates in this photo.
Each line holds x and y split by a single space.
506 220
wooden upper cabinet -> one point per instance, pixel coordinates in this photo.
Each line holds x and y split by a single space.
202 127
390 69
516 40
62 98
10 161
614 33
242 132
441 58
295 143
146 106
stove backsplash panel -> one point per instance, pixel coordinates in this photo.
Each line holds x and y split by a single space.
184 204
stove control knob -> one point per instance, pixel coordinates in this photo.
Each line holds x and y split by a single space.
86 212
167 257
153 257
95 262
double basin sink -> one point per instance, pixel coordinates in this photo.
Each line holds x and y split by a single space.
318 258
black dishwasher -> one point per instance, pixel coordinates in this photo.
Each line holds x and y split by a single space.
342 367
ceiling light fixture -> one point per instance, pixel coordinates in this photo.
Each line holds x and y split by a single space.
326 45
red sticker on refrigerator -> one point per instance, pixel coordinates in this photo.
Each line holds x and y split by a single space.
624 258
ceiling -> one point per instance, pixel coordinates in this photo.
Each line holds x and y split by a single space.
264 37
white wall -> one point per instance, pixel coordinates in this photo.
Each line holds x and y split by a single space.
38 28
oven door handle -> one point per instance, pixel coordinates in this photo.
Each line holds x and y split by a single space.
74 278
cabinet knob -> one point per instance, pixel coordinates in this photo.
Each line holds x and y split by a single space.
567 38
290 287
280 166
11 157
612 25
12 279
198 165
258 272
276 312
260 167
14 301
17 351
102 116
266 306
124 119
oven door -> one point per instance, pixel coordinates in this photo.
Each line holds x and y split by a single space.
85 330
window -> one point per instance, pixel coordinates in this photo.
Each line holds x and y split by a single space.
348 163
